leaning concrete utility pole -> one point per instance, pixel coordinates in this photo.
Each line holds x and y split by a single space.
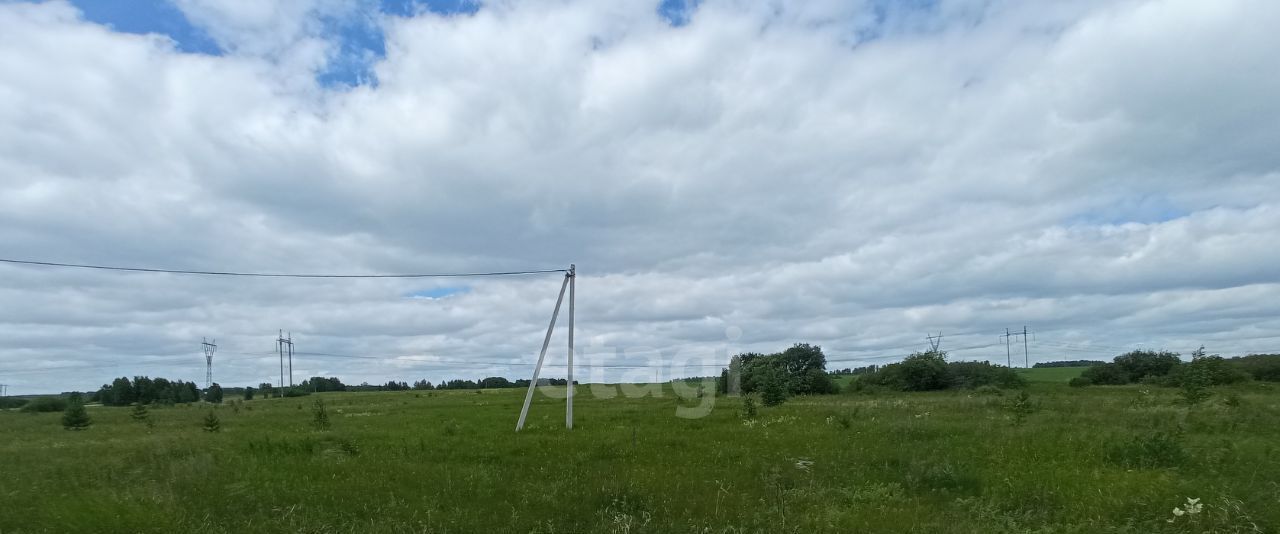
569 277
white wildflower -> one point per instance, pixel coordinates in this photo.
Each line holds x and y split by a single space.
1192 507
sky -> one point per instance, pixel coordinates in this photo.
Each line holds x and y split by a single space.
727 176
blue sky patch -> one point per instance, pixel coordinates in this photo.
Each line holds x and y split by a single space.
359 39
149 16
409 8
677 12
1145 210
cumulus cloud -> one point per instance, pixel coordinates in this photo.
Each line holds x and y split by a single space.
850 174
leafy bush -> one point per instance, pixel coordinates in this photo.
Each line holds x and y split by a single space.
1140 363
930 371
1108 374
214 394
9 403
296 392
818 382
800 369
1208 370
923 371
980 374
1264 367
1080 382
45 404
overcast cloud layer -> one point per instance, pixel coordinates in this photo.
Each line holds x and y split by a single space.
734 176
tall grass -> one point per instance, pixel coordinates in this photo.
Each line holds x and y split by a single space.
1084 460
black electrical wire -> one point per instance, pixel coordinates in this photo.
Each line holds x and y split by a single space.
277 275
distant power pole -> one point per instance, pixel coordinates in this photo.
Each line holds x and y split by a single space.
4 390
284 347
1026 355
280 353
934 341
209 348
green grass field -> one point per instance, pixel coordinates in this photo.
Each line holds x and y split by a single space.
1051 374
1076 460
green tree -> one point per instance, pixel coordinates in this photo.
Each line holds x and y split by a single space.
749 408
143 389
140 413
76 417
924 371
1021 406
187 392
722 382
797 363
1107 374
1195 378
1142 363
248 393
1214 369
773 389
733 384
214 394
319 416
122 393
211 422
818 382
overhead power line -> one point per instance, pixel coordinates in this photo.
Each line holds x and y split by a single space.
275 275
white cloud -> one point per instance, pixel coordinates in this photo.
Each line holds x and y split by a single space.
807 172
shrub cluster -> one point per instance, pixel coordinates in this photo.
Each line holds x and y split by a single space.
1265 367
45 404
9 403
930 371
799 370
1163 368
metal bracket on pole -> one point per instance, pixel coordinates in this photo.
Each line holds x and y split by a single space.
533 383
